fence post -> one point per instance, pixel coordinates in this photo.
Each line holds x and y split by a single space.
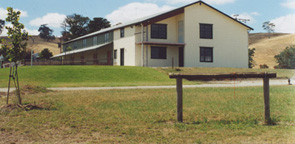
172 62
266 101
179 99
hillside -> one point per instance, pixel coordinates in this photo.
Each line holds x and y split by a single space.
38 44
267 48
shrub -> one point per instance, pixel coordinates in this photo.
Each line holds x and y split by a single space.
264 66
286 59
251 53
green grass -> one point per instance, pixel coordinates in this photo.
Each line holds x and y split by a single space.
92 76
211 115
281 73
104 76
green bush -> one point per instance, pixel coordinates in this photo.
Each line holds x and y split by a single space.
251 53
286 59
264 66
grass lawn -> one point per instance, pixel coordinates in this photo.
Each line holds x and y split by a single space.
149 116
104 76
92 76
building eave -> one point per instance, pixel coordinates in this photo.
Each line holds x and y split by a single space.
154 18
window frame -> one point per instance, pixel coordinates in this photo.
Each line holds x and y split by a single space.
203 33
160 56
95 40
106 37
205 55
122 32
156 34
84 43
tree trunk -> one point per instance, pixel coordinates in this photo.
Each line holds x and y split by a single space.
8 85
17 86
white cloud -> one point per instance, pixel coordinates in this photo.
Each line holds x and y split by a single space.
285 24
289 4
255 13
134 11
52 19
3 13
30 31
4 30
216 2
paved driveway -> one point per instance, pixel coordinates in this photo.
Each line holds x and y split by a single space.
244 83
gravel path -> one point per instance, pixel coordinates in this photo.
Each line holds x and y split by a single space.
244 83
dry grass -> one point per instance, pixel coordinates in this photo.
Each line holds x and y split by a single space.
38 44
211 115
256 37
267 48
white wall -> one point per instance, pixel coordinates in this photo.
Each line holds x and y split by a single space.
230 39
172 54
128 43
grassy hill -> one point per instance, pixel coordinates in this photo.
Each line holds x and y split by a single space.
38 44
81 76
267 47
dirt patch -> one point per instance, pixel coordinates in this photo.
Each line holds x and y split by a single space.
26 107
31 89
2 94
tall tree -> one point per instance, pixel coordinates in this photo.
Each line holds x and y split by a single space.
269 27
74 26
97 24
2 23
46 32
15 48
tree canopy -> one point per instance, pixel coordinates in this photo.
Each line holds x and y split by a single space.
46 32
46 54
268 26
97 24
286 59
15 49
76 25
2 23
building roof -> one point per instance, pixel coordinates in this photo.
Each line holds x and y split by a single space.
149 19
81 50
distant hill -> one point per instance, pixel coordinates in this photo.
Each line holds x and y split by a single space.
267 46
38 44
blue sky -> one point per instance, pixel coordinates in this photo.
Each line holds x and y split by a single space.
52 12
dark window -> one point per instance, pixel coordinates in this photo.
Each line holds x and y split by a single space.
115 54
122 31
206 54
159 31
206 31
158 52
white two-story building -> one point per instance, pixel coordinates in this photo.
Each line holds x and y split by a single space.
195 35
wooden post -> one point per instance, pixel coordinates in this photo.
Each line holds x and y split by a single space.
8 86
179 99
172 62
266 101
